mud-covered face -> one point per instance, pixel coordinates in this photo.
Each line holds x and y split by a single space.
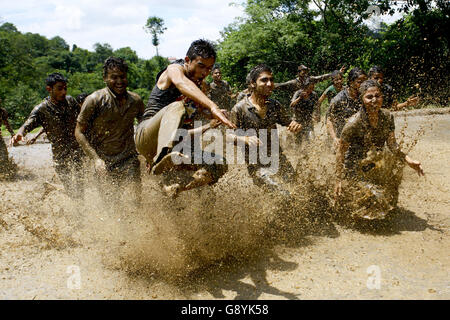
199 68
357 82
217 75
264 84
302 73
116 80
378 76
337 81
58 91
372 100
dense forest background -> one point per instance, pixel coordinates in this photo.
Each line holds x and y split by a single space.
414 50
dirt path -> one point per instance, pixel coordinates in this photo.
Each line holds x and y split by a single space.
51 249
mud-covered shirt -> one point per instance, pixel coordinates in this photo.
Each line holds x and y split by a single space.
362 137
298 84
245 116
303 111
220 94
59 122
160 98
342 107
110 126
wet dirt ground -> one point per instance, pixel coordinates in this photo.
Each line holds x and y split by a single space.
52 248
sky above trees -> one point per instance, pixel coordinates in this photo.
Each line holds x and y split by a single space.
120 23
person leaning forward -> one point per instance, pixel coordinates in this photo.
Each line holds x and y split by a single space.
156 132
57 114
105 128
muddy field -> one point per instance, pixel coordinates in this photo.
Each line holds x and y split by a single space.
210 244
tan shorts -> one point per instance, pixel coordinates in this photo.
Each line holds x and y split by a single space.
159 132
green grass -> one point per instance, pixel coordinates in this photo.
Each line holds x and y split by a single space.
6 133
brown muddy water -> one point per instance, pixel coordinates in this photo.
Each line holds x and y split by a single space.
231 241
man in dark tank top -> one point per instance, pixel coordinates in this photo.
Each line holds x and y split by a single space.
165 110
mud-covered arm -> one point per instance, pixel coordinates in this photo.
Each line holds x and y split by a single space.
84 120
285 85
189 89
395 148
34 120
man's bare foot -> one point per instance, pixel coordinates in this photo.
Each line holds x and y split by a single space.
167 162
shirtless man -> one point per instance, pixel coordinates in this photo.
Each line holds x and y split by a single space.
175 96
105 128
377 74
57 115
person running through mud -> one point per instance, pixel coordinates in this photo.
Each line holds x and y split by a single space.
377 73
177 92
345 104
257 117
105 129
332 91
57 115
219 90
80 99
5 164
302 75
305 108
373 172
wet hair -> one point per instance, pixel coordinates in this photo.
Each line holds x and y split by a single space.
215 67
375 69
354 74
114 62
53 78
302 67
201 48
256 71
308 82
81 97
368 84
335 74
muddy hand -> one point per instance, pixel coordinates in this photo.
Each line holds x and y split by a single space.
219 115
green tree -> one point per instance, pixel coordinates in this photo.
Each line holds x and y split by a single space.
155 26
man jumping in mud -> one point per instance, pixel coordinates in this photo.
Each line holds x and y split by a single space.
373 174
262 114
5 164
344 105
377 74
175 100
105 128
57 115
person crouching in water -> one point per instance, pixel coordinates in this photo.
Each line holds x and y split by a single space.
373 172
256 117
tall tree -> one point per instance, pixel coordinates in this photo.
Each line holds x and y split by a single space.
155 26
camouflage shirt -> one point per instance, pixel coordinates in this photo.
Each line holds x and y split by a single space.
110 127
59 122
